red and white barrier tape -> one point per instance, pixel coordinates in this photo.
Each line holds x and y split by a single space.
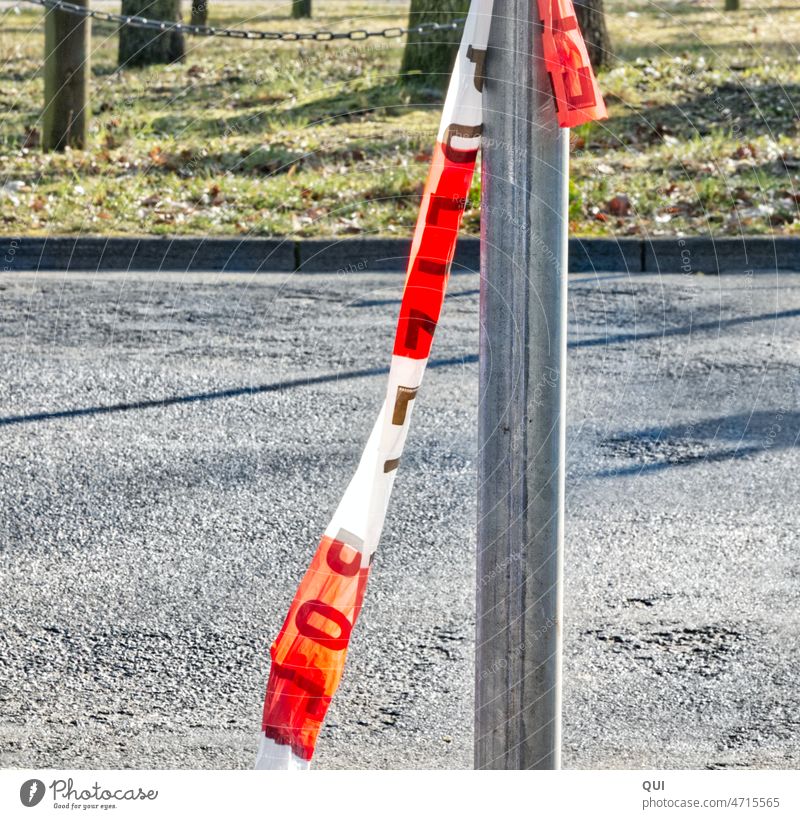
309 653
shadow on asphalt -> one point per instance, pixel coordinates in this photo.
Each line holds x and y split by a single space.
373 371
192 398
657 449
384 302
667 332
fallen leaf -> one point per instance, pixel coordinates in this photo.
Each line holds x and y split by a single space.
620 205
745 152
157 156
32 138
215 196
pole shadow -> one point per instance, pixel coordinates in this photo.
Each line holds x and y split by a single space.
215 395
708 441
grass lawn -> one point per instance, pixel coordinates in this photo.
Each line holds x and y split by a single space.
259 138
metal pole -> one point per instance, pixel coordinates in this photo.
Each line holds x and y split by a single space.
67 39
522 403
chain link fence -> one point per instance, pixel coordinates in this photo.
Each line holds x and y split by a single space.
243 34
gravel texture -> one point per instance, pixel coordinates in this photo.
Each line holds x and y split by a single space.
173 445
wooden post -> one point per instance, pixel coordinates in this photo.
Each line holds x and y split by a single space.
301 8
67 40
521 415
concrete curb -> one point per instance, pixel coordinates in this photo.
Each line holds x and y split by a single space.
702 254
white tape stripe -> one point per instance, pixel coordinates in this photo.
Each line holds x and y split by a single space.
463 104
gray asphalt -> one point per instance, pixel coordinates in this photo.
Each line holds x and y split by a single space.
150 550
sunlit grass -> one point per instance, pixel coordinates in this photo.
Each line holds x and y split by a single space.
322 139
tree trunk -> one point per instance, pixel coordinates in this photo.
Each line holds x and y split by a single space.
145 46
430 56
592 20
732 5
301 8
199 12
67 46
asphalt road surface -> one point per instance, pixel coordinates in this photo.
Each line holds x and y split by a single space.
171 447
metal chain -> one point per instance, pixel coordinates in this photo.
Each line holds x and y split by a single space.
242 34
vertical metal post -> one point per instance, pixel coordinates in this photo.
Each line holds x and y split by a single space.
522 403
67 39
